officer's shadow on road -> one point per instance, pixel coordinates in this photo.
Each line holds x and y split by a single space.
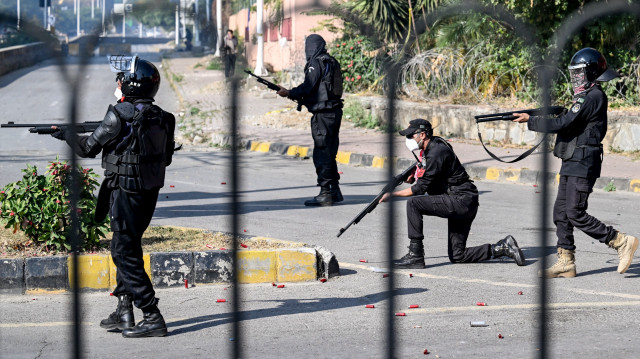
285 307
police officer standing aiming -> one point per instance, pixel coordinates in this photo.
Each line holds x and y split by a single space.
321 93
579 144
136 139
441 187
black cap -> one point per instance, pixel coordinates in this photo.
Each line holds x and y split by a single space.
416 125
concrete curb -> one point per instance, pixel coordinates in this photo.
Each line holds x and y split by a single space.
170 269
486 173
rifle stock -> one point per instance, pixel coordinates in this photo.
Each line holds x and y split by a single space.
46 128
508 116
395 182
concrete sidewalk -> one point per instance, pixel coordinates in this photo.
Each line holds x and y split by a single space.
205 89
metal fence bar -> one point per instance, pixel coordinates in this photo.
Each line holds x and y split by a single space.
392 75
235 220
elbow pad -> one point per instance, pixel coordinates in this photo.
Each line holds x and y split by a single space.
108 129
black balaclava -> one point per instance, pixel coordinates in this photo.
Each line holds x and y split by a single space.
314 46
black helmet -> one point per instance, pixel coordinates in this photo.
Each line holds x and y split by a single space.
594 65
140 78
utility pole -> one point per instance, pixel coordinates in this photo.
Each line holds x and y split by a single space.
92 9
18 17
260 59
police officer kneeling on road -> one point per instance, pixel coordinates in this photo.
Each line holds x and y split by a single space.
136 138
443 188
321 93
579 144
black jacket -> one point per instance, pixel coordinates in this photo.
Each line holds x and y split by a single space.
442 169
586 125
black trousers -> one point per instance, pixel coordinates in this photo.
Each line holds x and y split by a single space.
131 214
229 65
570 211
325 130
459 207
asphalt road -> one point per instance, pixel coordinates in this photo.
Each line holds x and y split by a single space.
593 315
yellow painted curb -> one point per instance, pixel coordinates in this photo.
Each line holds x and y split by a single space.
113 270
93 271
298 151
512 175
295 265
256 266
45 291
260 146
343 157
378 162
634 186
493 174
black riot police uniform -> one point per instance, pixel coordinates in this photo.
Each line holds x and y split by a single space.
579 144
136 139
320 93
443 189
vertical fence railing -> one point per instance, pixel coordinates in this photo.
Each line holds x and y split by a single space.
560 43
235 220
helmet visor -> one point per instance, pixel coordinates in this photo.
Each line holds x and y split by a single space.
578 76
122 63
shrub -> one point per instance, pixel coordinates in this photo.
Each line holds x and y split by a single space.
38 206
358 63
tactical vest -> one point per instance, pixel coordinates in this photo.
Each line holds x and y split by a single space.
329 88
139 160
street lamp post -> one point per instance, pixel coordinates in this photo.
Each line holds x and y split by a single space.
18 17
219 26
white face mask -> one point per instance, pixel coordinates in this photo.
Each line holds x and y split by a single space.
412 145
118 93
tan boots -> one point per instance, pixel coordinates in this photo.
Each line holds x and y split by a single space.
565 266
626 246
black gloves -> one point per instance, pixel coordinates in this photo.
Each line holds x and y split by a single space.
59 134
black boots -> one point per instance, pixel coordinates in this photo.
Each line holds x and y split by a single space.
508 247
324 199
329 195
336 194
414 259
152 324
122 318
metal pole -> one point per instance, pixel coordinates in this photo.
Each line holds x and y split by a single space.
104 30
196 26
392 73
219 26
45 14
208 11
92 9
18 17
184 17
235 221
259 60
124 17
177 25
75 6
77 19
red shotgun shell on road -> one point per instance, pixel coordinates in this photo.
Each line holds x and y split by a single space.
414 306
401 314
323 280
481 304
221 300
281 286
369 306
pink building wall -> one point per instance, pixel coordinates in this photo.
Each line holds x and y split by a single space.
278 54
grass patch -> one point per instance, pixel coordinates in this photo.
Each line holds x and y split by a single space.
215 64
361 117
194 111
154 239
177 78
